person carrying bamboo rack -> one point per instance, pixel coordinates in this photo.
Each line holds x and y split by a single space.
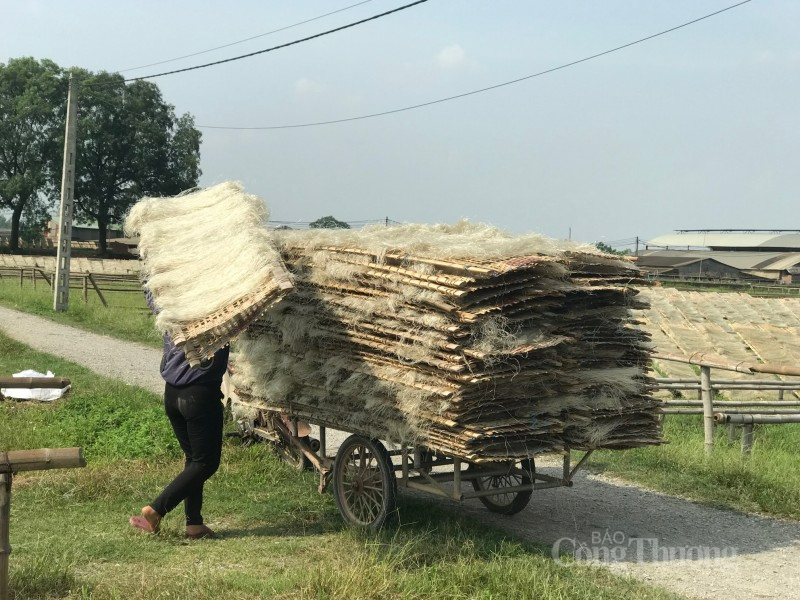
192 403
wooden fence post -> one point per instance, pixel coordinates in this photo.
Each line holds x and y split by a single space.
26 460
747 439
97 289
5 541
708 407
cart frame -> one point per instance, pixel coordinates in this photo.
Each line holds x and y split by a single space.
502 486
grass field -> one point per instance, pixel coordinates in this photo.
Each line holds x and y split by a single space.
127 316
766 482
279 538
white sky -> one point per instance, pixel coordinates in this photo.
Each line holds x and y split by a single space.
695 129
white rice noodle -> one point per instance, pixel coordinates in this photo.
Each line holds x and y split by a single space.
192 263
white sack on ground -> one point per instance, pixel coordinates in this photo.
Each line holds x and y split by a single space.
40 394
209 262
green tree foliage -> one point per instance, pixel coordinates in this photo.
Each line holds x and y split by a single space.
603 247
32 109
34 220
130 144
329 223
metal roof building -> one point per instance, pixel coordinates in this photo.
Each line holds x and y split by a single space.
739 255
714 239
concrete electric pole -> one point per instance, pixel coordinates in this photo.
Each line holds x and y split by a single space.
61 287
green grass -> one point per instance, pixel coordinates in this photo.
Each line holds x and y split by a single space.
279 538
766 482
127 316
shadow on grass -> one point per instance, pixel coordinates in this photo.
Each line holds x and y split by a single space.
42 581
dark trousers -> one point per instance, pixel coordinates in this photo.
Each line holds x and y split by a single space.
195 412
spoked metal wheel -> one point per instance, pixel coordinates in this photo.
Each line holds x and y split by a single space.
506 502
364 484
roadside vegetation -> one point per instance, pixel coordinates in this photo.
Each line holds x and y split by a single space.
278 538
767 481
127 316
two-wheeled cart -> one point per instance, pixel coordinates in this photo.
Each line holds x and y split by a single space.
364 475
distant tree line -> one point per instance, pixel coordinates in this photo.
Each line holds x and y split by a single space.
603 247
130 144
328 222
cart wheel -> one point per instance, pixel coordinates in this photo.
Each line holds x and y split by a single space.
364 485
506 503
294 457
291 456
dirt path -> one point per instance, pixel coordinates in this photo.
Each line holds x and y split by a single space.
688 548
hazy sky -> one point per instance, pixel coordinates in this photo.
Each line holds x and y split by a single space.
695 129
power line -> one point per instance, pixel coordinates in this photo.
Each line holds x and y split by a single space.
311 37
246 39
486 89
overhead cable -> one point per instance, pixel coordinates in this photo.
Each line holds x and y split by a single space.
481 90
161 62
311 37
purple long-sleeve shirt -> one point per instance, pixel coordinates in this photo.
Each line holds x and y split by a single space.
175 369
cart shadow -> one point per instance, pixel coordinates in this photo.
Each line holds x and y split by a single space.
625 524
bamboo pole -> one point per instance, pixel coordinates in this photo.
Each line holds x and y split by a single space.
40 460
739 403
732 382
5 541
719 362
745 386
756 418
747 410
747 439
731 433
775 369
34 382
26 460
708 407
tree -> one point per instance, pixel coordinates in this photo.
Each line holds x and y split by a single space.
33 224
32 109
328 223
130 144
603 247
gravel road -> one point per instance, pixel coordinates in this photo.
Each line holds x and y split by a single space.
688 548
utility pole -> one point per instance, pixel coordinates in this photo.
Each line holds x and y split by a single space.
637 246
61 293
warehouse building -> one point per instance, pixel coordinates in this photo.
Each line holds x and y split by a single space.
729 255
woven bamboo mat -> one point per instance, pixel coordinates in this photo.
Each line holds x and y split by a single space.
204 337
477 402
